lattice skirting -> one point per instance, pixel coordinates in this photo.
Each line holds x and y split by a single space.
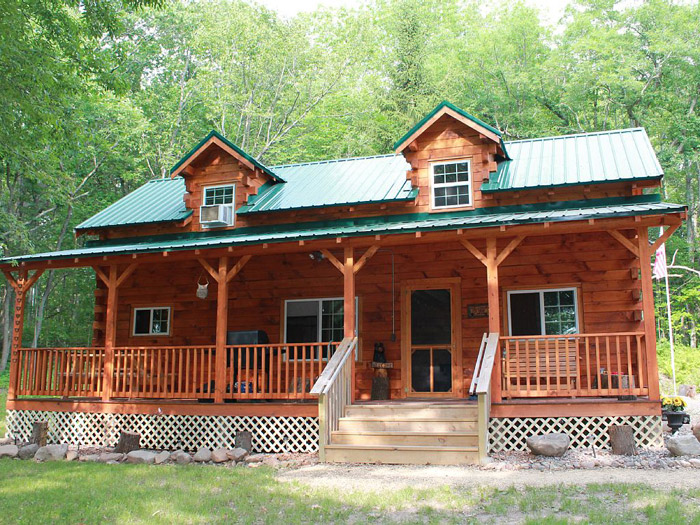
511 433
271 434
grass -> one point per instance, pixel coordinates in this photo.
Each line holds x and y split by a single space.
95 493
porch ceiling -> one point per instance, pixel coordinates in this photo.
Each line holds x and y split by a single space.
386 225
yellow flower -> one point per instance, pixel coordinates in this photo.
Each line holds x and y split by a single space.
678 402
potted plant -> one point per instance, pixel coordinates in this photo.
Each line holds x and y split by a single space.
672 409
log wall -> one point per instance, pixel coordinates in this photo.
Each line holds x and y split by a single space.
605 272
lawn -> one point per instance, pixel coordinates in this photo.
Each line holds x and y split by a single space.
96 493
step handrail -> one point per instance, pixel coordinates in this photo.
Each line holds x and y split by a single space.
482 375
477 367
335 390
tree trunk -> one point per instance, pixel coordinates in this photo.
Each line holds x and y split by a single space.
40 432
622 440
128 442
6 329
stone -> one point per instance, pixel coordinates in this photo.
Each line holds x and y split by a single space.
28 451
202 455
219 455
695 463
683 445
237 454
9 451
181 457
6 441
687 391
254 458
106 457
141 457
550 445
89 457
696 431
51 453
71 455
161 457
244 439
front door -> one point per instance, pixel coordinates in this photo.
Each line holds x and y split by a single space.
431 356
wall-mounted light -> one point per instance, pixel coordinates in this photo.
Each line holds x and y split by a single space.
316 256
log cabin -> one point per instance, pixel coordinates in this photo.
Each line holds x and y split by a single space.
430 305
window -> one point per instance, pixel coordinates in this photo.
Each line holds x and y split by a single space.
218 195
543 312
315 320
152 321
451 184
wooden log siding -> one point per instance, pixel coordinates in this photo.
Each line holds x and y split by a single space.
591 365
605 273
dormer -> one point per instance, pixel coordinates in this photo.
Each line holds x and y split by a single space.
219 178
451 153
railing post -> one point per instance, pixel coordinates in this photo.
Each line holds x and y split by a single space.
648 308
221 328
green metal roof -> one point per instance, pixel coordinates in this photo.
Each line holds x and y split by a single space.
231 145
586 158
334 183
441 105
383 225
159 200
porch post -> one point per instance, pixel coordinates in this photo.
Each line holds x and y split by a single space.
349 328
494 312
221 328
17 329
648 308
110 332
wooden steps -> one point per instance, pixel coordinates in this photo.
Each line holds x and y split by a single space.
407 433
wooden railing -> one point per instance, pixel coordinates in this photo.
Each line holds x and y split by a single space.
334 391
271 371
481 387
576 365
66 372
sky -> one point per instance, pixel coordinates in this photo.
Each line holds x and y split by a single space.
551 10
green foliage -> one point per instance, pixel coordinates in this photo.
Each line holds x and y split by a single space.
687 361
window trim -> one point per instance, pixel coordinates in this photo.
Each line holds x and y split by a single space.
320 325
431 175
231 205
541 292
150 324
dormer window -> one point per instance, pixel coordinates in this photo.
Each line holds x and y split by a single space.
451 184
218 206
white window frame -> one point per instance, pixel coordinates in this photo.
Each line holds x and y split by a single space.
232 205
320 324
541 292
150 322
433 185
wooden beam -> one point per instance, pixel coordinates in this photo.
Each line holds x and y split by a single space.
209 268
512 245
125 274
334 261
110 332
349 293
10 278
664 236
366 257
624 241
648 309
474 251
494 310
237 267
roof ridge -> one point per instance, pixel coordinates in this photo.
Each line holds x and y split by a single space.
163 179
329 161
584 134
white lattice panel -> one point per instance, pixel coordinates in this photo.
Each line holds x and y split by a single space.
511 433
271 434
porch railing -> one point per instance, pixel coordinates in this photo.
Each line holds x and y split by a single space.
585 365
67 372
335 391
271 371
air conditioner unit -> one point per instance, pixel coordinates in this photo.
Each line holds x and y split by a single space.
216 215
